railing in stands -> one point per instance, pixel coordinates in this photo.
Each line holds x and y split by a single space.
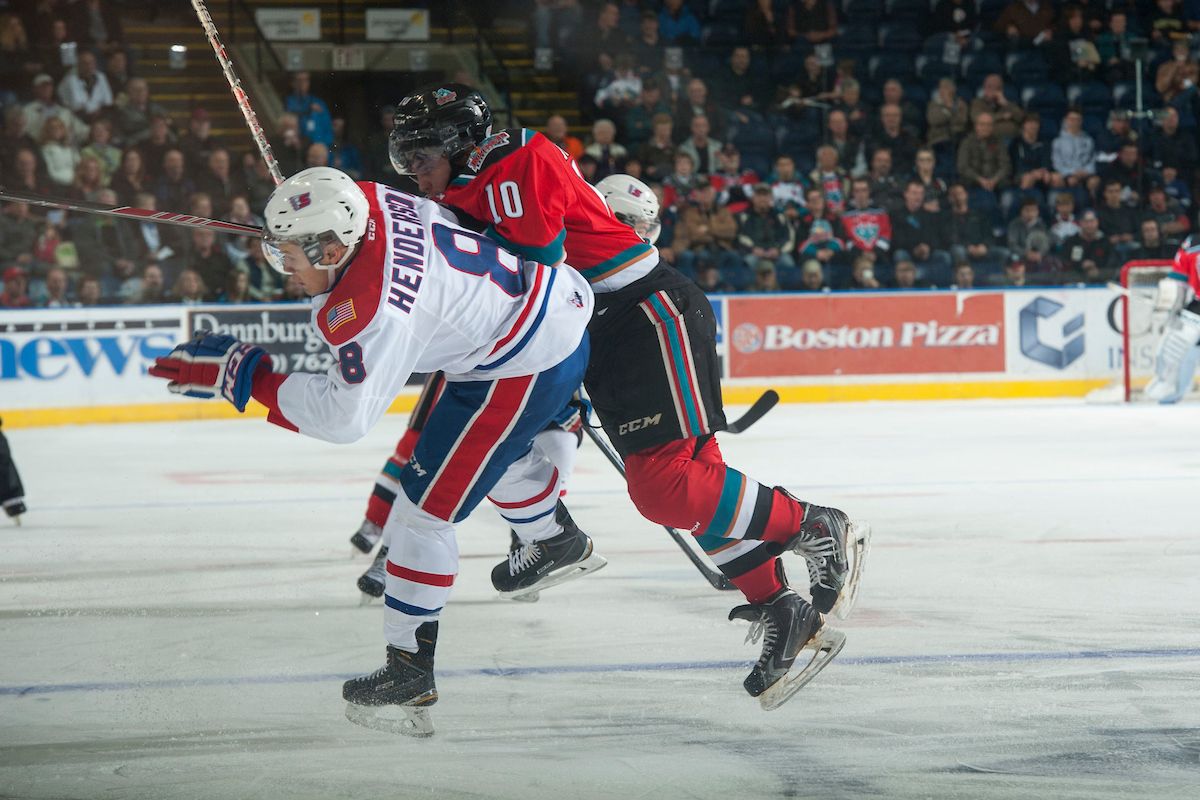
477 14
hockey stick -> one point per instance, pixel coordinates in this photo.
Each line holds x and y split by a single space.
132 213
239 94
714 577
757 411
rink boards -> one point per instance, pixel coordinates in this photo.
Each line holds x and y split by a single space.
69 366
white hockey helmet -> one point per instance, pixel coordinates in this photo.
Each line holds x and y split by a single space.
315 207
634 203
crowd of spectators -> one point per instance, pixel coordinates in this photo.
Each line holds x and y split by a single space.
80 124
849 144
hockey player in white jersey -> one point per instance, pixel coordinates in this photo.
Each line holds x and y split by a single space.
399 288
1179 348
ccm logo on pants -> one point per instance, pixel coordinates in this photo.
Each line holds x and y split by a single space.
638 424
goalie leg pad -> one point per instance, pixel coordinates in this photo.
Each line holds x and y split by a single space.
1175 362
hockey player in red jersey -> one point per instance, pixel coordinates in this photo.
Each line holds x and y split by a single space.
1179 347
653 377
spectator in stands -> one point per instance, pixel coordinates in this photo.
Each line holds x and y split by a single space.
736 86
291 147
556 23
658 154
906 274
788 189
821 244
971 237
18 233
1026 21
174 186
16 289
709 278
189 288
647 45
236 288
49 39
100 147
620 89
1114 47
1127 171
812 277
677 24
123 284
116 69
1170 218
766 23
1177 77
197 144
159 142
867 227
257 178
153 286
848 146
911 118
84 89
733 184
1118 221
885 184
1027 222
344 154
146 241
830 178
924 174
1170 146
266 284
764 233
311 112
708 233
95 25
946 116
1013 276
964 277
1073 56
58 289
609 154
852 105
44 107
766 278
89 180
88 291
14 137
1063 225
1166 21
59 155
891 135
18 63
1042 266
1032 168
556 131
639 120
134 115
1006 115
208 259
316 155
702 149
1089 252
814 208
697 103
216 181
814 82
814 21
862 275
130 178
958 17
1177 189
1151 245
678 186
27 175
983 163
919 233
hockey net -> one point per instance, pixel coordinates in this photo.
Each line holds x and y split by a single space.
1141 325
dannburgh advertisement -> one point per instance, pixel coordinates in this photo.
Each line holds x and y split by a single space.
285 331
865 334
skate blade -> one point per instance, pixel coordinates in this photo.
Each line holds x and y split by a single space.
824 645
403 720
592 563
858 546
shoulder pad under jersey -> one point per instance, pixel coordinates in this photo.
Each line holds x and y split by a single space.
353 302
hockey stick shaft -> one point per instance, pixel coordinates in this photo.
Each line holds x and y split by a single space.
757 411
239 94
714 577
132 213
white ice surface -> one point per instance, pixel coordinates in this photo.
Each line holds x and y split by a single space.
178 612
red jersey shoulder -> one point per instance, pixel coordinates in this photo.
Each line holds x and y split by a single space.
355 300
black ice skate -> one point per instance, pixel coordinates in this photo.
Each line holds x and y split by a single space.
835 550
371 582
540 565
14 508
366 537
394 698
788 626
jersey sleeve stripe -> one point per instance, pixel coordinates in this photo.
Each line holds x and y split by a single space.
621 261
549 254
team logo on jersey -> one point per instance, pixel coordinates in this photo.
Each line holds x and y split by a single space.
577 299
866 231
480 154
299 201
443 96
340 314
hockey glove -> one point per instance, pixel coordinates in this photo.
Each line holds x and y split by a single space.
212 364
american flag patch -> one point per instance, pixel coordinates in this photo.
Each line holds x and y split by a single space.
340 314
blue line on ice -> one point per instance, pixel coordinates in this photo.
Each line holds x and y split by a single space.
564 669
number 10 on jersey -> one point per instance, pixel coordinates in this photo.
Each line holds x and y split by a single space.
509 201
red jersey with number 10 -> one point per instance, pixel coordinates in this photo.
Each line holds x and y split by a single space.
535 202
